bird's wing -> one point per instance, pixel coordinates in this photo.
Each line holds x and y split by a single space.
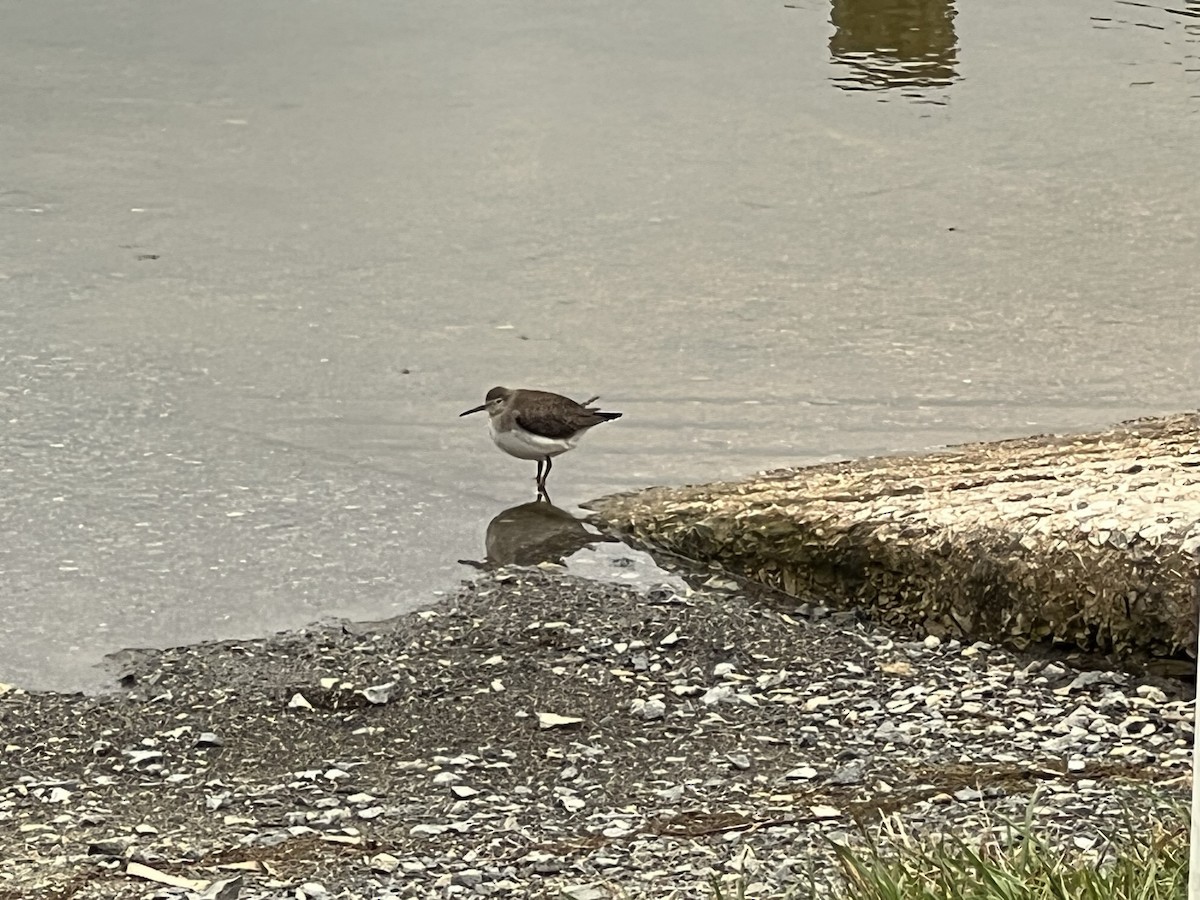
549 425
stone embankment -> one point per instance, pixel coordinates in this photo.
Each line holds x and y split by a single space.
1087 539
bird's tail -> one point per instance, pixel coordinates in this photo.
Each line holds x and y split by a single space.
605 416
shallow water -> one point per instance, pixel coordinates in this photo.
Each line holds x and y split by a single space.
254 260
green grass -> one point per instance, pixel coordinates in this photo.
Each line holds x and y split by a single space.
1145 859
1152 866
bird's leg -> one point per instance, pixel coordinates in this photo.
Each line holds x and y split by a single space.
542 476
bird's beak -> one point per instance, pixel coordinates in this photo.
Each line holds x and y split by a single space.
475 410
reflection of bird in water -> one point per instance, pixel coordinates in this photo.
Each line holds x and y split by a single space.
534 533
538 425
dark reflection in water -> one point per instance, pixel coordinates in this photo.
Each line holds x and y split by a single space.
533 533
905 45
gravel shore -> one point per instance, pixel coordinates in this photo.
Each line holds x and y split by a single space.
540 735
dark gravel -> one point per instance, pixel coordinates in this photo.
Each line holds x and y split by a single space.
543 736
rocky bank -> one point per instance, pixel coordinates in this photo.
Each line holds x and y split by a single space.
542 736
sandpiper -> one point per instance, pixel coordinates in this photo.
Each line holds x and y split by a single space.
538 425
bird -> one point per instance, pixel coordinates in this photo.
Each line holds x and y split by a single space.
538 425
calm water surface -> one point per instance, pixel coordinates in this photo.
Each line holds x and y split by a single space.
256 256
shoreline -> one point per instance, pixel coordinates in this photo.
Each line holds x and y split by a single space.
556 737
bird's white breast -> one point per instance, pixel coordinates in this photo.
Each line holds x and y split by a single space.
525 445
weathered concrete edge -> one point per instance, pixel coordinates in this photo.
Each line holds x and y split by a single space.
1088 539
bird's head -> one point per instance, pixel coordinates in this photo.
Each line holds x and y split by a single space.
493 402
